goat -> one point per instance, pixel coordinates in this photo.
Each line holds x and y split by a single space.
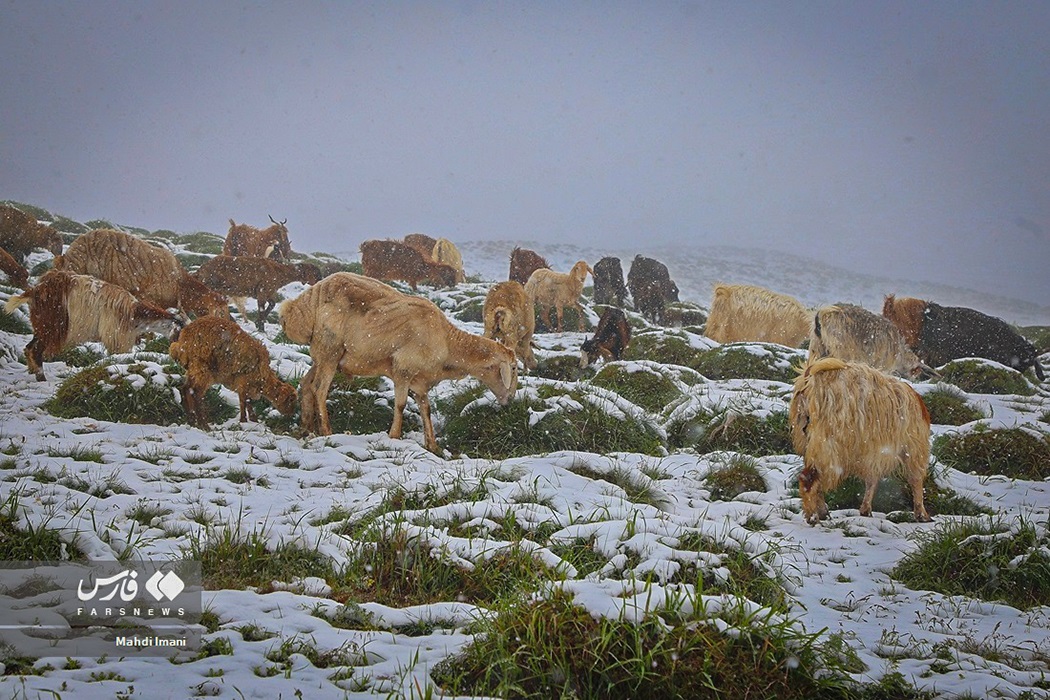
215 350
745 313
67 309
393 260
21 234
945 333
423 243
609 289
855 334
269 242
16 273
510 319
610 339
547 289
850 419
651 287
149 272
358 326
445 251
523 262
259 278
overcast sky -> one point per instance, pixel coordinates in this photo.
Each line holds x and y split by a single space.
906 139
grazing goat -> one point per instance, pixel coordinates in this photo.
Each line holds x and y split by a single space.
393 260
15 272
854 334
939 334
523 262
216 350
423 243
610 339
510 319
651 287
259 278
66 309
850 419
445 251
21 234
269 242
358 326
149 272
609 289
745 313
547 289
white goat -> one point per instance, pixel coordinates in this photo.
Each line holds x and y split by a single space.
548 288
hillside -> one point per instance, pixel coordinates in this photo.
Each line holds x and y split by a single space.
629 530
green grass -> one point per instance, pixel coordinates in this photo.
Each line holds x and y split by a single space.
11 323
1012 452
643 387
749 361
977 377
738 475
721 430
665 348
982 560
948 406
233 560
21 541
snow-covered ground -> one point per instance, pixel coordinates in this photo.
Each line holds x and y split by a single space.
836 573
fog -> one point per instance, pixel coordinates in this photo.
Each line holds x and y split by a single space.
905 139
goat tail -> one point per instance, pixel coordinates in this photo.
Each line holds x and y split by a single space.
18 299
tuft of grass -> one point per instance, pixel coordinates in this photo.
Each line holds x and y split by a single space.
981 560
665 348
977 377
24 541
738 475
144 512
1012 452
97 393
749 361
81 356
12 323
550 647
567 421
722 430
230 559
641 386
948 406
565 368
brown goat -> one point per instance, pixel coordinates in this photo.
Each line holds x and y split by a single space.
393 260
21 234
259 278
745 313
549 289
611 338
510 319
216 350
423 243
269 242
149 272
850 419
906 314
16 273
523 262
66 309
358 326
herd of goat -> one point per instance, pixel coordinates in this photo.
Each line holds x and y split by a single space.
848 415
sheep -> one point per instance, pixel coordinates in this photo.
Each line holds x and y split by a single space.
149 272
66 309
939 334
259 278
358 326
610 339
21 233
850 419
855 334
510 319
423 243
651 287
547 288
745 313
445 251
269 242
523 262
215 350
393 260
16 273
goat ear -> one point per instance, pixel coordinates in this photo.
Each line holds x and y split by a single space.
506 374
